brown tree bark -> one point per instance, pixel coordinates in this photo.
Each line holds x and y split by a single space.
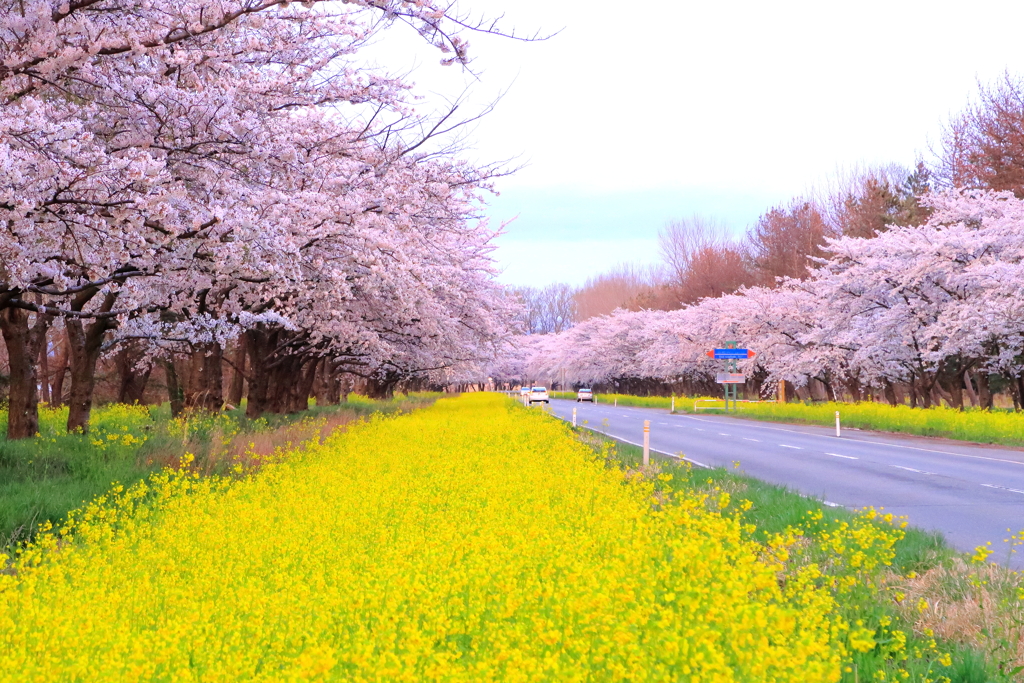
889 391
969 387
44 370
131 381
985 397
237 386
205 387
85 342
23 342
60 372
174 392
259 342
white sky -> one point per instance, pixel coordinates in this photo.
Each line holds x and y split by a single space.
638 113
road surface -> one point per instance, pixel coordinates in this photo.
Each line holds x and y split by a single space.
970 493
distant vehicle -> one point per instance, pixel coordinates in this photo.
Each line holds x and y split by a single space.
524 391
539 395
584 395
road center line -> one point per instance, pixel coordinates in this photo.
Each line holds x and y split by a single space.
722 434
746 438
837 455
911 469
1004 488
797 448
869 441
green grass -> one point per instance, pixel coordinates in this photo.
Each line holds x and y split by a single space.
43 478
776 510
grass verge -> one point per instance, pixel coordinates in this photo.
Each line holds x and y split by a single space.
926 598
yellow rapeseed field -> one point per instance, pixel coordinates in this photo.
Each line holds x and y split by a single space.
471 541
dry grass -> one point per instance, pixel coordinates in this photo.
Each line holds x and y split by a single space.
977 605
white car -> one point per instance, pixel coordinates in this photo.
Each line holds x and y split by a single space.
539 395
524 391
584 395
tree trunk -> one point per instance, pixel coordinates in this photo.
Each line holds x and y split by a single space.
174 391
890 393
985 397
304 387
44 370
61 371
953 392
86 344
205 387
132 384
237 387
23 344
258 343
969 386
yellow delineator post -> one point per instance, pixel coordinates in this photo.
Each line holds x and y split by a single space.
647 443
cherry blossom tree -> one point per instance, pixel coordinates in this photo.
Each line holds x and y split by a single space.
183 172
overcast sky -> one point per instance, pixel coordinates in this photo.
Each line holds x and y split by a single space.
638 113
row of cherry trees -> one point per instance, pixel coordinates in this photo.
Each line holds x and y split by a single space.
182 174
935 308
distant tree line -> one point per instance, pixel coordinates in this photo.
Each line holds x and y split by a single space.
895 284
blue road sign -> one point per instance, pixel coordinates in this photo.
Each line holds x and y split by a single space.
732 354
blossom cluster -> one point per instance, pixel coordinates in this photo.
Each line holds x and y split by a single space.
920 304
178 172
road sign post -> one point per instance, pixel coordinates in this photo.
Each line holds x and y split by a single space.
647 443
731 378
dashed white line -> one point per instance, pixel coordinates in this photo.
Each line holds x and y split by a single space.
722 434
796 448
837 455
749 439
911 469
877 443
1004 488
698 429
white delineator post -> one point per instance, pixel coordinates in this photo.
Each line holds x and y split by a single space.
647 443
616 402
673 405
573 417
837 423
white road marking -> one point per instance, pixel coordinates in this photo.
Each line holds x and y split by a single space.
831 504
698 429
848 457
1004 488
796 448
873 443
911 469
722 434
749 439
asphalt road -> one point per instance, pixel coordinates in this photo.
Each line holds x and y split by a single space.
970 493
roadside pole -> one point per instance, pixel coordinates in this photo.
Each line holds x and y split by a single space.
573 417
673 405
647 443
837 423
